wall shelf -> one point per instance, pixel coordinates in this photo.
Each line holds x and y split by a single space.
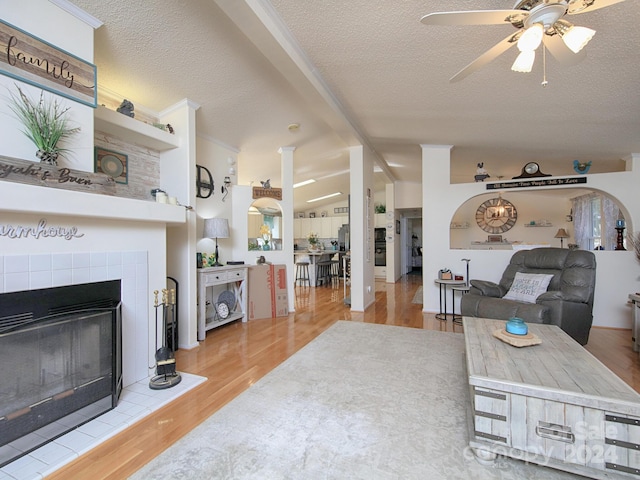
537 225
132 130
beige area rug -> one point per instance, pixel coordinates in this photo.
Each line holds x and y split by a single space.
417 298
361 401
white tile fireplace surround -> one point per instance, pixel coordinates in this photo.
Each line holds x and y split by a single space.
44 270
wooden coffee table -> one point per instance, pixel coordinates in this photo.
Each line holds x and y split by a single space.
552 404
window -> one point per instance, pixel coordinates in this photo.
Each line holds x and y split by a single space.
595 217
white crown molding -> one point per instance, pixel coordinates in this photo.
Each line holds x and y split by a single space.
220 143
77 12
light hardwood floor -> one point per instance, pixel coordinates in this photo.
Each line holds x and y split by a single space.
235 356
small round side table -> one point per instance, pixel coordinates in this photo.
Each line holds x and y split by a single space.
457 319
443 284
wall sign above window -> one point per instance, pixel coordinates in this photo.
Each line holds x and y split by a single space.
260 192
32 60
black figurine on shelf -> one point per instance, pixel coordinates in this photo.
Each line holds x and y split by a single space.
620 226
126 108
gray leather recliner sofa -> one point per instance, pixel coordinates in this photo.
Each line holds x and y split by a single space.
567 303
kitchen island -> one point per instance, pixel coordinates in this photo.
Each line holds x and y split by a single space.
314 258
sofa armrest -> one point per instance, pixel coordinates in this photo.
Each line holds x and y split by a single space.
558 295
488 289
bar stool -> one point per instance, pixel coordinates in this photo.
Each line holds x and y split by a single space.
302 273
323 272
335 271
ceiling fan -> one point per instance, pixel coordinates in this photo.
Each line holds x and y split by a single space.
536 21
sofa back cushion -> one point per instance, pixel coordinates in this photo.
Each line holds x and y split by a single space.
573 270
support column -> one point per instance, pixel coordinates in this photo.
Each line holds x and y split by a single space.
286 169
361 228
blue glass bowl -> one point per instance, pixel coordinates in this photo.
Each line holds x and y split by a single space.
516 326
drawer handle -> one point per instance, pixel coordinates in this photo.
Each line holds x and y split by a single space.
553 431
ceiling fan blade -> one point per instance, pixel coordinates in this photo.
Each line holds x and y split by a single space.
486 57
471 17
561 52
583 6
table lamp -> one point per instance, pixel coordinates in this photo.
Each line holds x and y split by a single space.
216 228
561 234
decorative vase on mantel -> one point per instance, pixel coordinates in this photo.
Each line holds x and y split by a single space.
48 158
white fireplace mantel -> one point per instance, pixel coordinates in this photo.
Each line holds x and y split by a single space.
33 199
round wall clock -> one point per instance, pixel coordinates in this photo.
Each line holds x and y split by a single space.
496 215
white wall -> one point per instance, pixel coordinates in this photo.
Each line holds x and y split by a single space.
618 273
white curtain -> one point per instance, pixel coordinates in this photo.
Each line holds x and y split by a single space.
582 229
610 212
583 221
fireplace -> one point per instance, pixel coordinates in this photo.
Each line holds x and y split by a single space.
61 355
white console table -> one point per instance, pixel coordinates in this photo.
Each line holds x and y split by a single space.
234 278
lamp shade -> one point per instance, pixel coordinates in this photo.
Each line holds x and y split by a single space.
561 233
216 228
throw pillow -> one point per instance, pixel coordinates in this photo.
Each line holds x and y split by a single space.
526 287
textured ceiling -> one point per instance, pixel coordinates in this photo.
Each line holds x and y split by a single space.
387 78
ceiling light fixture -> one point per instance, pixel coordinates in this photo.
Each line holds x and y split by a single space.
531 38
324 197
575 38
527 44
304 182
524 61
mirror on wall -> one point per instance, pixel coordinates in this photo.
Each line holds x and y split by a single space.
265 225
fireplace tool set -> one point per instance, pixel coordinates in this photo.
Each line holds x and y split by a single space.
166 375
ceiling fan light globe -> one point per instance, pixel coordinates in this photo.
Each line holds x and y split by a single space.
531 38
524 61
577 37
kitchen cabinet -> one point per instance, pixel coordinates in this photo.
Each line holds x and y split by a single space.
325 227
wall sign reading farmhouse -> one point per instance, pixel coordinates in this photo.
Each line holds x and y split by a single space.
39 231
546 182
32 60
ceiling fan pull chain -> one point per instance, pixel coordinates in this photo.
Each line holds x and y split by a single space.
544 66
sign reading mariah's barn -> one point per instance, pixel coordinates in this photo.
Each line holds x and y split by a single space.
32 60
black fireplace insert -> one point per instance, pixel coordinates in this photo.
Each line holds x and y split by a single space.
61 354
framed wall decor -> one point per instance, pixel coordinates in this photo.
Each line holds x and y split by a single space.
312 214
32 60
496 215
114 164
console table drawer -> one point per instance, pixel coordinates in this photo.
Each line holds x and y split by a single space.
234 275
215 278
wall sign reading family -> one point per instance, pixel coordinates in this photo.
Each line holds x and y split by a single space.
42 230
32 60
